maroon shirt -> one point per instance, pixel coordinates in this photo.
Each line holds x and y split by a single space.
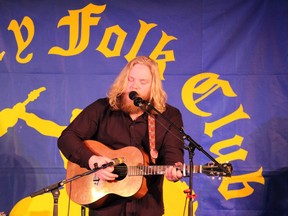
116 130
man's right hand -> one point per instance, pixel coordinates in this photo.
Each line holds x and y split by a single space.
102 174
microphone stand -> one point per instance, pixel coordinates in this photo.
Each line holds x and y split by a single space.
54 188
190 148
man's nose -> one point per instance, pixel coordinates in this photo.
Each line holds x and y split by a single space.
135 85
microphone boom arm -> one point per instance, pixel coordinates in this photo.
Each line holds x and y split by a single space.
54 188
192 143
191 147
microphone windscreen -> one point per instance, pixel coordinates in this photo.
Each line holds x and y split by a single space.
133 95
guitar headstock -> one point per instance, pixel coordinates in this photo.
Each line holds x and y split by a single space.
211 169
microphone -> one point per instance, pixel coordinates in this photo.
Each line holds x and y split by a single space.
138 101
117 161
114 162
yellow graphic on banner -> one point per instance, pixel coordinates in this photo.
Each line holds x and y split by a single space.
76 44
2 55
80 23
244 180
42 205
195 90
23 44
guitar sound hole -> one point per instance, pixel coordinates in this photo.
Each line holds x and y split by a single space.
121 171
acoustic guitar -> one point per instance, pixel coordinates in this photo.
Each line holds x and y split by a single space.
131 182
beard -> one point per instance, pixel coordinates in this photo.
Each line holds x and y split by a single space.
127 105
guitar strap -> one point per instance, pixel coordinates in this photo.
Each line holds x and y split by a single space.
152 138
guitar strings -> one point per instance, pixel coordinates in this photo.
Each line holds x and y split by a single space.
140 170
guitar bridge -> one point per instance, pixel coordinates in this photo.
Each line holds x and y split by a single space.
96 180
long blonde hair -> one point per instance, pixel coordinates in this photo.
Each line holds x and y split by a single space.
158 96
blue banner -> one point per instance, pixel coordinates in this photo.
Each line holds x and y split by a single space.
223 64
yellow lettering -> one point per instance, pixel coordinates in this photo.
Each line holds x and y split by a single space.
240 154
143 31
203 84
168 55
2 55
210 127
246 189
103 46
76 46
21 43
198 88
158 51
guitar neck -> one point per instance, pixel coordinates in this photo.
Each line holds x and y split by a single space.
160 170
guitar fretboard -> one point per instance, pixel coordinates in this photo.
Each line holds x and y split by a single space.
159 170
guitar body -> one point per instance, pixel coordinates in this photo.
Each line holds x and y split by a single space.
85 191
131 183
